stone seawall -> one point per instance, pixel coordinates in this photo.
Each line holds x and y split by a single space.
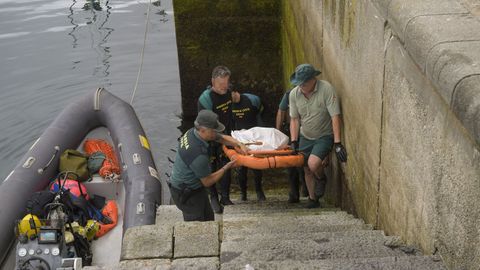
408 76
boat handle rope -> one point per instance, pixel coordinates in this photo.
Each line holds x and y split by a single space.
57 149
140 68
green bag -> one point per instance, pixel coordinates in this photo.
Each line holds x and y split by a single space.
95 161
76 162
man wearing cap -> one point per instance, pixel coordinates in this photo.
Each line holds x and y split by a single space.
217 98
191 171
314 125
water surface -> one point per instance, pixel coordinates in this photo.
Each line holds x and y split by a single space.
54 51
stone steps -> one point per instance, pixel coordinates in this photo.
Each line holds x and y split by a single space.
296 224
268 235
278 235
274 204
336 236
385 263
303 250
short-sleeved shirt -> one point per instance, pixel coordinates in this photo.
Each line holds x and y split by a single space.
219 104
246 112
284 103
316 112
192 161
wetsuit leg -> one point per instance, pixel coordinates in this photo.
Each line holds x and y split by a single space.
242 182
258 185
293 175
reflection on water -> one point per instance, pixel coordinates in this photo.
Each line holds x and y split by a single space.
54 51
91 4
93 20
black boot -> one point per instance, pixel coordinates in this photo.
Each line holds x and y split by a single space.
244 195
313 203
242 182
320 185
217 208
258 185
293 194
292 199
261 195
303 189
225 200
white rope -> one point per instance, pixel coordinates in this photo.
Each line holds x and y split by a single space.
143 53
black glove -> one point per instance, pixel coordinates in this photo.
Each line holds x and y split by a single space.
294 146
340 151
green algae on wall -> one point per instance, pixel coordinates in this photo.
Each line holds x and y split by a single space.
342 14
292 50
241 34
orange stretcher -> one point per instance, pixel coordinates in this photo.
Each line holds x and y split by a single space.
265 159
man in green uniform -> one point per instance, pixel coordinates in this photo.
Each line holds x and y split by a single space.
314 125
191 170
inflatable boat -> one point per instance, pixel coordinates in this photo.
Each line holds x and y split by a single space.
99 114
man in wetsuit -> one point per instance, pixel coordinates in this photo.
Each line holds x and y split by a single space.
246 110
217 98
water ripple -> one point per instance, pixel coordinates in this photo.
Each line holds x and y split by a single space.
14 35
53 52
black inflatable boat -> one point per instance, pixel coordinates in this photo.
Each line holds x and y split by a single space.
139 191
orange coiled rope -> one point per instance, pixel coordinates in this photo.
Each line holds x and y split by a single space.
110 169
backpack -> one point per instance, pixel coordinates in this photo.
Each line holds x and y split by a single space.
76 162
37 202
95 162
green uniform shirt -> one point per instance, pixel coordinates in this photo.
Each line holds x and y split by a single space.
315 113
192 161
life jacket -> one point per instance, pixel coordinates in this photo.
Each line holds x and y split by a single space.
110 210
110 167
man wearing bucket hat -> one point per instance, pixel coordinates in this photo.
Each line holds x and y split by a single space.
191 171
314 125
296 176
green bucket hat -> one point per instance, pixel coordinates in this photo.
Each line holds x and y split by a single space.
303 73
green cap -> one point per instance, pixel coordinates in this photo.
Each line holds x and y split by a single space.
209 119
303 73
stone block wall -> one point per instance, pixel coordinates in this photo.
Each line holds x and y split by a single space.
408 76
